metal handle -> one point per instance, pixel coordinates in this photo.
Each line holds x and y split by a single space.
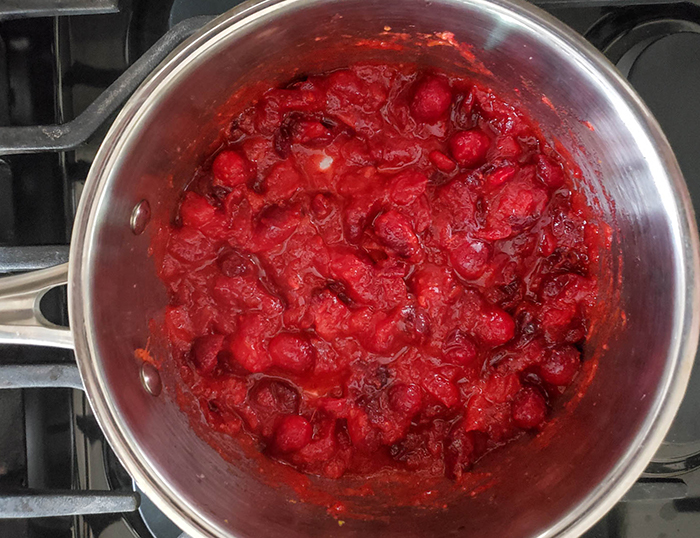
21 320
66 503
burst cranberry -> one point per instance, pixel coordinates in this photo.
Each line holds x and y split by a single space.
462 449
291 352
293 433
247 346
233 264
230 168
431 100
459 349
275 226
407 186
396 232
196 211
529 409
321 206
549 172
205 352
469 148
442 388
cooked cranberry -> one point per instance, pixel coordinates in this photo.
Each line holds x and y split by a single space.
275 226
529 409
291 352
441 161
282 182
508 148
495 326
311 133
390 270
459 349
405 399
500 176
205 352
407 186
561 365
275 396
470 259
230 169
549 172
431 99
396 232
196 211
293 433
233 263
321 206
442 388
469 147
247 346
462 449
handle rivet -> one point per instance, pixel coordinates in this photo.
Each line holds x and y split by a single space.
150 378
140 216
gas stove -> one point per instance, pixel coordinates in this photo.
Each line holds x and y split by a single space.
66 67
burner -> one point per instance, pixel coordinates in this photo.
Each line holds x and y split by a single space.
184 9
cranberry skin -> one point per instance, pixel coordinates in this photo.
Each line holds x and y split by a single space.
205 352
275 396
469 148
396 232
431 100
560 366
549 172
291 352
529 409
470 259
293 433
230 168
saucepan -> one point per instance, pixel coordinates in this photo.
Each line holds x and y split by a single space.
554 488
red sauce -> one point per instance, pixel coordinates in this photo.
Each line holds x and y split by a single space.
380 269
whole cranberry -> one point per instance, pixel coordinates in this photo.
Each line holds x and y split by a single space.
469 148
431 100
529 409
561 365
293 433
230 168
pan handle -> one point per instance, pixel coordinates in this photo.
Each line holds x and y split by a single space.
21 320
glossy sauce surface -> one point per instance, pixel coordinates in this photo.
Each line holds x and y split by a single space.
380 269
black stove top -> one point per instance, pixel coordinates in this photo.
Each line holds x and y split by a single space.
58 62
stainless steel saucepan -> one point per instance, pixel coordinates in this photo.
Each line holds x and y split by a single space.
559 488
